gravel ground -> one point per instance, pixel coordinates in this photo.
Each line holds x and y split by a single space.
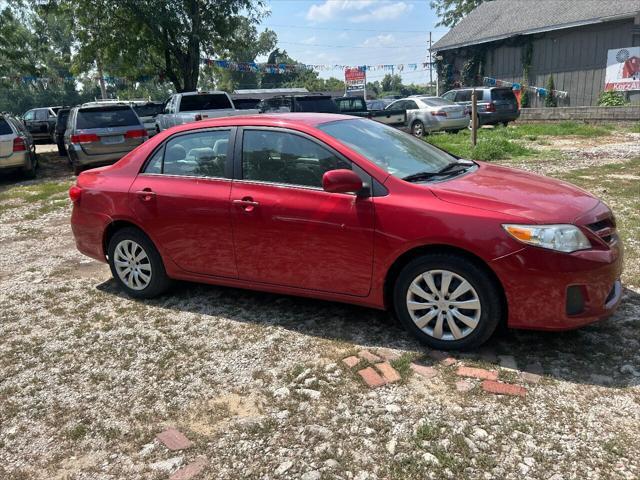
88 377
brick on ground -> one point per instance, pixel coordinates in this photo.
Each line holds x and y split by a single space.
388 355
190 470
369 357
351 361
464 386
424 371
530 377
480 373
443 357
371 377
173 439
389 373
503 388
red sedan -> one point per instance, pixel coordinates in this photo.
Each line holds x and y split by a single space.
347 209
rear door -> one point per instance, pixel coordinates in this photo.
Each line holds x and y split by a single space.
287 230
393 114
112 129
6 138
504 100
182 199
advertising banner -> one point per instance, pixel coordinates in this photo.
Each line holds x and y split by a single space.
355 79
623 69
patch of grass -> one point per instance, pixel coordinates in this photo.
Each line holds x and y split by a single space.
36 192
495 144
77 433
403 365
426 433
560 129
635 128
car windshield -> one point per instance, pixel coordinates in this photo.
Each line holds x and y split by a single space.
148 110
398 153
246 103
204 101
102 117
436 102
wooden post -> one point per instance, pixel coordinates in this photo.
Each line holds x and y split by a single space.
474 118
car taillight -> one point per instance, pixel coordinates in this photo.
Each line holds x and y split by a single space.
491 107
135 134
198 117
85 138
19 145
439 114
74 193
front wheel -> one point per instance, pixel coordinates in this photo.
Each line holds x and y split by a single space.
447 302
417 128
136 264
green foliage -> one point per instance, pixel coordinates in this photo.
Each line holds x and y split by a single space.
451 12
611 98
525 101
550 100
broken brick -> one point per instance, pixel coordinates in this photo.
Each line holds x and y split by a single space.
389 373
371 377
369 357
174 439
351 361
426 372
480 373
503 388
190 470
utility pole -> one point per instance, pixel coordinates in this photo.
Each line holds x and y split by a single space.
474 117
430 63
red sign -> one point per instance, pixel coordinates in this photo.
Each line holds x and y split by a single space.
355 79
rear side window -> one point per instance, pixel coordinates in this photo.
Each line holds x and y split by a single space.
117 116
315 104
5 128
202 154
246 103
42 114
281 157
205 101
503 94
351 105
149 110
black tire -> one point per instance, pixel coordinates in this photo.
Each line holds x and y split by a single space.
484 285
417 129
505 124
62 152
159 282
30 172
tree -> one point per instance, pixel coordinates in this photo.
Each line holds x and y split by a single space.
451 12
391 83
550 99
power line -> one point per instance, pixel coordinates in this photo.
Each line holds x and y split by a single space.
351 46
337 29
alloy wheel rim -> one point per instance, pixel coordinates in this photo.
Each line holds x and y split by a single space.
444 305
132 265
417 129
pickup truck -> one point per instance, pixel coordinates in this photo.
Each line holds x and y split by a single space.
189 107
357 106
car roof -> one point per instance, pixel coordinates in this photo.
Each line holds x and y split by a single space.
309 119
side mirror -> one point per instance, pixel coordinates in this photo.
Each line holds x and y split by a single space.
341 181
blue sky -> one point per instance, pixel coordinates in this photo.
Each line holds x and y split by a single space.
355 32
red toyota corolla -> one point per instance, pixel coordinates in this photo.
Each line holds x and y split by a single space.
347 209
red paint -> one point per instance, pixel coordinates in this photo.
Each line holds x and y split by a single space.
340 247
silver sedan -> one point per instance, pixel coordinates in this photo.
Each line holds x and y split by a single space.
432 114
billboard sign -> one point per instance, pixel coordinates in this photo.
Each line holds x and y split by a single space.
623 69
355 79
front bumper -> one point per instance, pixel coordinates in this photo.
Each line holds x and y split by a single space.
539 282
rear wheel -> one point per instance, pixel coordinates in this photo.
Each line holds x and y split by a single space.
417 128
30 172
447 302
136 264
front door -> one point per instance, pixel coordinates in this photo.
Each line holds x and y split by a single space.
287 229
182 199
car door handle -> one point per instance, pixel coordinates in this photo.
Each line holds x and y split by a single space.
246 203
146 194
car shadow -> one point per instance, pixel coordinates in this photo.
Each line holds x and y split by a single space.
605 353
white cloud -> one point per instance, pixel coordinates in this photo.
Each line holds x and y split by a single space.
357 10
379 40
387 11
309 40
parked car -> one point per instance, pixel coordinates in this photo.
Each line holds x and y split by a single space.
40 122
432 114
495 104
355 106
17 148
61 126
147 112
351 210
242 102
101 134
302 102
188 107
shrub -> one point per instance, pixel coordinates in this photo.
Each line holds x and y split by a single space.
497 148
550 100
524 98
611 98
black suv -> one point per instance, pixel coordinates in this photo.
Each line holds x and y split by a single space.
40 122
495 104
306 102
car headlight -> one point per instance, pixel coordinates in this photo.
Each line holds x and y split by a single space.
563 238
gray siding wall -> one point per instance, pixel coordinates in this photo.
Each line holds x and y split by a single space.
577 57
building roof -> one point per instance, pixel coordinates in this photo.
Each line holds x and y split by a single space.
499 19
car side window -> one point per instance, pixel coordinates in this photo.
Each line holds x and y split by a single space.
30 115
41 115
280 157
463 96
449 96
202 154
410 105
397 105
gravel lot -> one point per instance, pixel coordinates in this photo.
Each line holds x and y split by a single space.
88 377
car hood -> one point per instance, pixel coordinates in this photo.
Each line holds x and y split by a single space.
516 192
